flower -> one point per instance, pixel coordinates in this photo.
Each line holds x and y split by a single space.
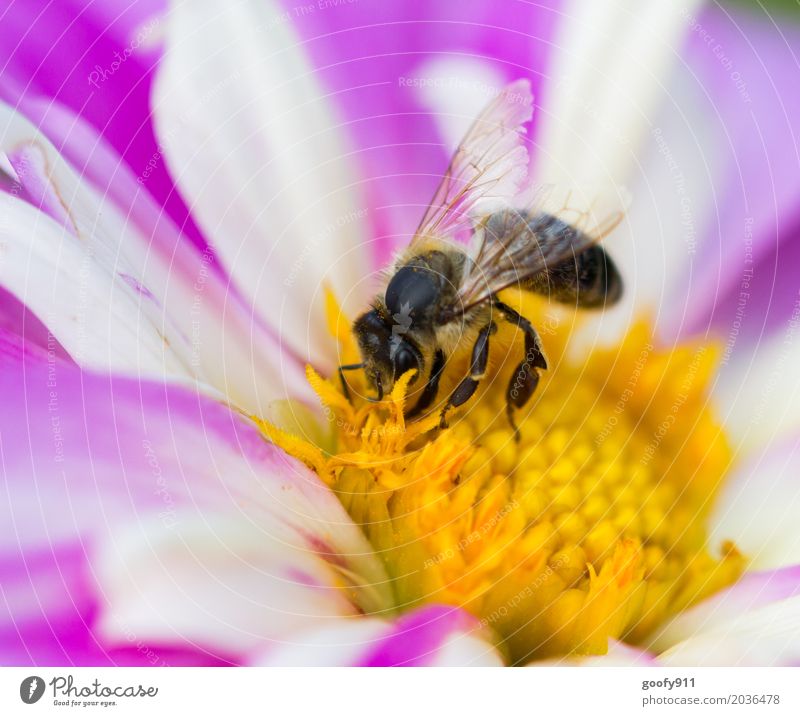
145 518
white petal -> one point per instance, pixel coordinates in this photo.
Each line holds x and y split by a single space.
340 643
619 654
756 622
759 505
598 110
467 650
78 294
675 198
758 392
766 637
213 581
118 284
456 91
431 635
75 264
606 79
254 147
181 507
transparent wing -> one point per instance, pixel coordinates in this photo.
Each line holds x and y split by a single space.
488 168
513 245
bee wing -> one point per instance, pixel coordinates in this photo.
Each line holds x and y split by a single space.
488 168
513 245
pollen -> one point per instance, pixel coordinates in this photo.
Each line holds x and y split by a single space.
588 524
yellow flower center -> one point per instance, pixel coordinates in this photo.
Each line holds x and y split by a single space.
591 526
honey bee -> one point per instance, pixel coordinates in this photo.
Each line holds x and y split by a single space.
442 292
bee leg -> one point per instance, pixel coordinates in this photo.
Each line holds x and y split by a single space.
477 368
431 387
345 388
520 389
526 377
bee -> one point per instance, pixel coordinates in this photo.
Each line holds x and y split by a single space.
442 292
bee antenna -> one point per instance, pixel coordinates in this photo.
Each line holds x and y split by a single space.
342 369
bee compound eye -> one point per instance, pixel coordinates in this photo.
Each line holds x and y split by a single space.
411 290
404 361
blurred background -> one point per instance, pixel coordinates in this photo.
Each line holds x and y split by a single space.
713 166
692 106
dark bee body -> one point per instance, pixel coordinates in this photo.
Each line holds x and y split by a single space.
419 322
441 296
590 279
398 333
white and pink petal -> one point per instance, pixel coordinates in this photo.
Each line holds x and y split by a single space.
756 622
181 508
758 389
433 635
116 282
97 60
746 66
759 504
257 150
408 78
619 654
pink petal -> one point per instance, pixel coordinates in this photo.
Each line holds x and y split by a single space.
756 622
253 142
745 114
422 638
374 58
174 498
759 504
434 635
152 304
48 605
66 52
24 337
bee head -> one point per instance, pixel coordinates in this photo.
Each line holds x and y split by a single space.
386 353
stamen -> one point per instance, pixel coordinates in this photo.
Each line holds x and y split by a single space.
591 527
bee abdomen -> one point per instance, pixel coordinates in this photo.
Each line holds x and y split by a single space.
588 280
